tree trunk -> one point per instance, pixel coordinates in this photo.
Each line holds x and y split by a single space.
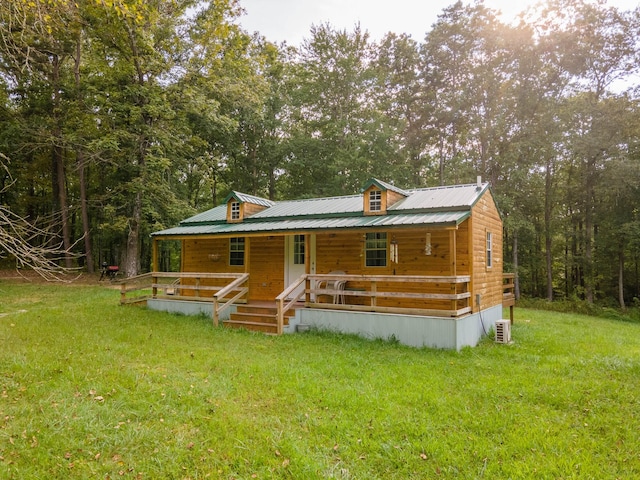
548 210
80 158
621 277
60 176
132 256
86 229
516 279
62 200
589 280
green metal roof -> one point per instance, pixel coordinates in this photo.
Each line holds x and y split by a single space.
314 224
440 206
384 186
246 198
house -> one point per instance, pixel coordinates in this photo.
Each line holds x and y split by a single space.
423 266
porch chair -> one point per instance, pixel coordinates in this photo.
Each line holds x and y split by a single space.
172 290
337 285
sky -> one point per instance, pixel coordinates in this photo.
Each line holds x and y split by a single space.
291 20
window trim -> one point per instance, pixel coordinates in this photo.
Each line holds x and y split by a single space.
378 237
236 247
489 249
375 200
298 249
235 211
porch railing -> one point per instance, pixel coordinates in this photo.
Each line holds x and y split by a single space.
509 293
135 289
372 290
219 303
285 296
444 296
191 286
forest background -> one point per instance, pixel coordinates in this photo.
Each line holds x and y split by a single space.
122 117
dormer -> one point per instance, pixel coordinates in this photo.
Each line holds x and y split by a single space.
378 196
241 206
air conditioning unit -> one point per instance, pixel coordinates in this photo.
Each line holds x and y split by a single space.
503 331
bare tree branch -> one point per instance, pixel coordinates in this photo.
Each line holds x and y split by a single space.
32 246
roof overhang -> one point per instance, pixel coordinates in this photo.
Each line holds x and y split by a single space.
434 220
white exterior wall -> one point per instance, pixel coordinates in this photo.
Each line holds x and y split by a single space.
185 307
415 331
412 330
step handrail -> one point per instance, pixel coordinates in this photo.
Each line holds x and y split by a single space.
280 300
217 297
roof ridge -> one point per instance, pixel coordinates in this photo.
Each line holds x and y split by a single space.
442 187
247 197
314 199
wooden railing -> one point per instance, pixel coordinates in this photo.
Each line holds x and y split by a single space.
236 286
449 295
509 292
285 296
140 284
371 291
191 286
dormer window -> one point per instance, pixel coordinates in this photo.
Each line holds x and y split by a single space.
375 200
379 196
241 206
235 210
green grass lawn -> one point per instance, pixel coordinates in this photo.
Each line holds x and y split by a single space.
89 389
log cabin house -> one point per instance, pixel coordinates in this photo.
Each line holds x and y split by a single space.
422 266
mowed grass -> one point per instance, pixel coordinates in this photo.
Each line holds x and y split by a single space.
89 389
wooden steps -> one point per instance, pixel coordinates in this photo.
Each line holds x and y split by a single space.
257 317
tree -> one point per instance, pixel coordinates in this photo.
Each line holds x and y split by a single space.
146 49
336 132
36 47
600 48
404 101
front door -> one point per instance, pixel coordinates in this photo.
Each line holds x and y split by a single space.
295 255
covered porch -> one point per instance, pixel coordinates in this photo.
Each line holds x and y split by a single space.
417 310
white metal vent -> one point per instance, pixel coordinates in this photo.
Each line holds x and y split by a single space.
503 331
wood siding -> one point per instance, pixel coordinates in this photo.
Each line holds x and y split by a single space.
252 209
486 281
246 210
266 267
264 259
388 199
346 252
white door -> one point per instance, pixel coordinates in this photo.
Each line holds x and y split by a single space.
294 259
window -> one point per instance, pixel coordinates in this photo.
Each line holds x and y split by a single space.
489 250
376 250
236 251
375 200
298 249
235 210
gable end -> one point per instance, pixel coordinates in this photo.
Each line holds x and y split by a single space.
241 206
378 196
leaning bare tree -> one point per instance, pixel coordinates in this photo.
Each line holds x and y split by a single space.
31 245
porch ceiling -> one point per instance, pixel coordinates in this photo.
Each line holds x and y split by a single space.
247 227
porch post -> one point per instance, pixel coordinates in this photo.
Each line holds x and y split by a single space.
454 253
307 267
154 255
247 254
453 248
